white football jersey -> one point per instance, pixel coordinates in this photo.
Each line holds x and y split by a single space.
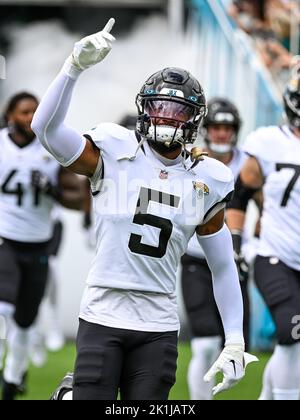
278 151
24 210
145 215
236 164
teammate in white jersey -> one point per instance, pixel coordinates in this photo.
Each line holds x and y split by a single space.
48 335
220 132
30 183
150 195
274 164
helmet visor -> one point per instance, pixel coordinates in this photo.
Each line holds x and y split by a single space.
169 110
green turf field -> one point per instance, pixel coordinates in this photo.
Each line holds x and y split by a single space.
43 381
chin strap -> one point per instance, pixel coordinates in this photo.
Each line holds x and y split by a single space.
140 145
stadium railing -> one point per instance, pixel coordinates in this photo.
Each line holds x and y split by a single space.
225 60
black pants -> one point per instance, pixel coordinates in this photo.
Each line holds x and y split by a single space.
197 290
280 288
139 365
23 278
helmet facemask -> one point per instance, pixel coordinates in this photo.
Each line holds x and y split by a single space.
169 123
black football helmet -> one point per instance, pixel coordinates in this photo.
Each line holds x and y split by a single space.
221 112
291 100
129 121
171 105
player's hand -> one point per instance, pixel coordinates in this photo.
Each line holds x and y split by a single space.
92 49
242 265
232 363
41 182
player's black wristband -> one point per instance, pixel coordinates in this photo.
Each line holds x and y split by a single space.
237 241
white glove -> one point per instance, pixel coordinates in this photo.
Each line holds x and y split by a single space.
232 363
90 50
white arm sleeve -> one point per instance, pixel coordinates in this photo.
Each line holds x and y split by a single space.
62 141
218 250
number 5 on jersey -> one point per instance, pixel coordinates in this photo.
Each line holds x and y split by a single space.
142 217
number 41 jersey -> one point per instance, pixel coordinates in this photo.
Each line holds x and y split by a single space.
24 210
277 150
146 211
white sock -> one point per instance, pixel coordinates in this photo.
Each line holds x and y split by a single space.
54 336
266 393
17 355
205 351
286 395
285 372
6 313
68 396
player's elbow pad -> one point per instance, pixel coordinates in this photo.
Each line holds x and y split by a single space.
242 195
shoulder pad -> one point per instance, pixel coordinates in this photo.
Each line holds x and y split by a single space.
262 141
113 139
214 169
104 130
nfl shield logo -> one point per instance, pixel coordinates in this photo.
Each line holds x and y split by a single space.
163 174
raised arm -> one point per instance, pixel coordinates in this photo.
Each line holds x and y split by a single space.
68 146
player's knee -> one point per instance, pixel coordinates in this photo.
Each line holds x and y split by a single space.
89 366
165 374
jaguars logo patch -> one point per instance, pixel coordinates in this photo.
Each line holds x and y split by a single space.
200 188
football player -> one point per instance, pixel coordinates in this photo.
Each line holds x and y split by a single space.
150 196
31 181
51 338
274 164
220 132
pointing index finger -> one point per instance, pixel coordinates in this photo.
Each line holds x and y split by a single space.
110 24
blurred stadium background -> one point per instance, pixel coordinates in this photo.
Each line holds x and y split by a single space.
235 51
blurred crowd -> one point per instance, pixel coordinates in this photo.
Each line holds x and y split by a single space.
274 28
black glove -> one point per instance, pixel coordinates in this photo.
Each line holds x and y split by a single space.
41 182
243 268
